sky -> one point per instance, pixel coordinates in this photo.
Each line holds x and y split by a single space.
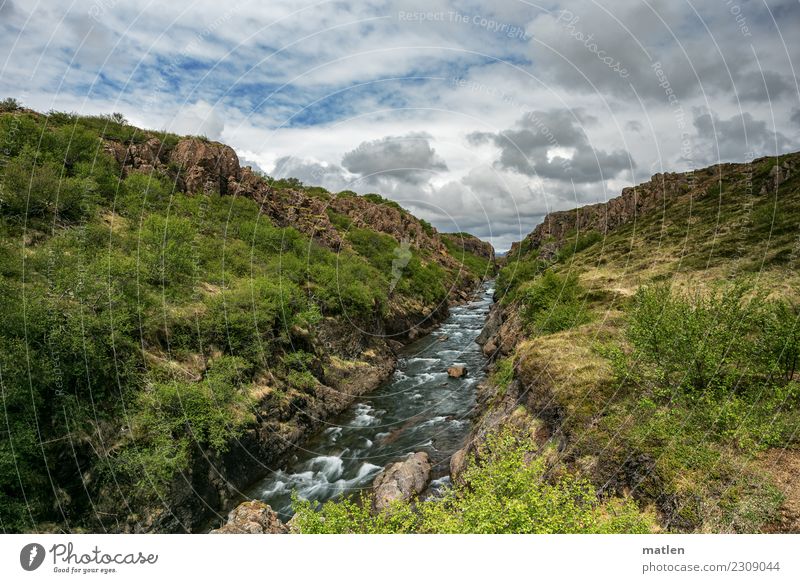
477 116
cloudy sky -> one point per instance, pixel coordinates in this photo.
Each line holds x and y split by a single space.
477 116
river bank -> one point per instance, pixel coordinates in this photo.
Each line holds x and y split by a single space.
419 409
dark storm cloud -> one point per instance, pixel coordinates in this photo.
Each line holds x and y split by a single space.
736 138
553 144
408 158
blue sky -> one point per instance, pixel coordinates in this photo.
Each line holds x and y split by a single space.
476 116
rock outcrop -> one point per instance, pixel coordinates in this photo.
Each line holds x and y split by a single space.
401 480
253 517
471 244
648 197
206 166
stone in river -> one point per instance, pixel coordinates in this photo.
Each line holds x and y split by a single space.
457 371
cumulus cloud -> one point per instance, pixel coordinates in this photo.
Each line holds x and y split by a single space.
553 144
736 138
312 172
200 119
431 111
408 158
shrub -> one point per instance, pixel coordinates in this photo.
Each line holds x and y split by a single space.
173 417
503 374
718 341
504 492
514 274
551 303
728 356
9 104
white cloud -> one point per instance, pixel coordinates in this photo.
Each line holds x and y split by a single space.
304 84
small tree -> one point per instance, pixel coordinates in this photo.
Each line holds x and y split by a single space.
9 104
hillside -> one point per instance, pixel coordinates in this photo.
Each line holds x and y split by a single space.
174 323
651 344
644 370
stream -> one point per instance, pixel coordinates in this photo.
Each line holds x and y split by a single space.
420 408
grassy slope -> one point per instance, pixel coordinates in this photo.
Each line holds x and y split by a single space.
700 465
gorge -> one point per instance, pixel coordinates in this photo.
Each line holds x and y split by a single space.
197 337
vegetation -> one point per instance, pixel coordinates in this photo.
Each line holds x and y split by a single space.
551 303
504 492
477 265
688 373
141 326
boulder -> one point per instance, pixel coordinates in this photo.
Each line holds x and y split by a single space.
401 480
457 371
253 517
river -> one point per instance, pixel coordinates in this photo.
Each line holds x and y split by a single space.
419 409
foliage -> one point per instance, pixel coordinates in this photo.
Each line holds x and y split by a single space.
725 340
504 492
503 374
552 302
174 416
514 274
476 265
9 104
417 278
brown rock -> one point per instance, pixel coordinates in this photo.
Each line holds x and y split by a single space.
252 517
458 463
206 166
401 481
457 371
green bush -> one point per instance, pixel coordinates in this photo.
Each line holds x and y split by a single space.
552 302
505 492
728 355
514 274
727 339
173 417
9 104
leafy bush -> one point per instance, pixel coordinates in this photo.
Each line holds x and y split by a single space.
9 104
727 339
504 492
551 303
174 416
514 274
728 355
503 374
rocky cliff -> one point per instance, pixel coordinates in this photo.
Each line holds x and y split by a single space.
645 198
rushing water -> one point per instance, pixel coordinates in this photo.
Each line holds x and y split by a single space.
419 409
